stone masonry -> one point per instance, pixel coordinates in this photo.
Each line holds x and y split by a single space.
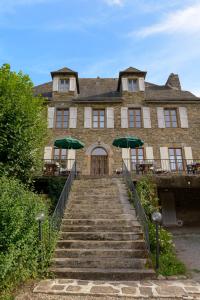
101 93
100 237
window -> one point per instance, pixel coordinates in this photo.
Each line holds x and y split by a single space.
137 155
175 159
98 118
132 85
170 118
135 118
63 85
62 118
60 154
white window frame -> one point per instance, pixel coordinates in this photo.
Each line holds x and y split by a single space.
133 88
62 88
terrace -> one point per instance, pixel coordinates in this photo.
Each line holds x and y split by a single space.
158 167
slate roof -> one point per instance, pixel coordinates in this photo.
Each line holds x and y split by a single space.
63 70
105 89
132 70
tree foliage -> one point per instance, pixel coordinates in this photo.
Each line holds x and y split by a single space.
21 254
23 128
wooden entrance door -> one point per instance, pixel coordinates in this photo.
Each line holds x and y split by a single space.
99 162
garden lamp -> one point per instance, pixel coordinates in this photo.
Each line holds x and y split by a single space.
157 219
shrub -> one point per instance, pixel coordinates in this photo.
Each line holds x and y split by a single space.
147 192
169 264
20 250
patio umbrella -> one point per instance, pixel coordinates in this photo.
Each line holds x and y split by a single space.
68 143
128 142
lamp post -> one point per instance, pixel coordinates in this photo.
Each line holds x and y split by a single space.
157 219
40 218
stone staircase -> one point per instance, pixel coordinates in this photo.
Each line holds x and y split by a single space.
100 237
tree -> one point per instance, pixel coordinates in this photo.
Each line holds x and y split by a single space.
23 127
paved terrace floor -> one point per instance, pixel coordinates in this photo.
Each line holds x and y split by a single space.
66 289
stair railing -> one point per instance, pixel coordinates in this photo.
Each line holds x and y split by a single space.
139 209
58 213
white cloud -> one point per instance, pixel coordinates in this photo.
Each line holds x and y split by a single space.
184 21
115 2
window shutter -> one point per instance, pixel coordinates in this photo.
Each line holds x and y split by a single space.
72 84
71 155
47 154
72 117
126 157
149 154
110 117
124 84
183 117
188 155
124 117
146 117
164 156
51 111
88 117
141 84
55 84
160 116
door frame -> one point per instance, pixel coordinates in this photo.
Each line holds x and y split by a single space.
100 159
89 151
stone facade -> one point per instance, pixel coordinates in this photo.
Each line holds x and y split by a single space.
102 94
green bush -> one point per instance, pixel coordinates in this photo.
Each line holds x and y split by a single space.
55 187
169 264
20 250
147 192
165 238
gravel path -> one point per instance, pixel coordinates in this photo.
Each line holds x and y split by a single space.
187 241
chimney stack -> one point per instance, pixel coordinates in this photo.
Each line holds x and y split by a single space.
173 82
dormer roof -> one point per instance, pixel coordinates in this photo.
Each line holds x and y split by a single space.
130 71
66 71
62 71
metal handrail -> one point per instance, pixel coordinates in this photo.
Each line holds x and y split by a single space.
137 204
57 216
163 166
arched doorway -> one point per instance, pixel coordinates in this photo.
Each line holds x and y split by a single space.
99 162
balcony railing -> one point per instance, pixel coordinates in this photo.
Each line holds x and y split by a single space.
163 166
57 167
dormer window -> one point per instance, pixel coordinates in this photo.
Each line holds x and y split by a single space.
132 85
63 85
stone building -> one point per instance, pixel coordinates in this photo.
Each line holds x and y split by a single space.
98 110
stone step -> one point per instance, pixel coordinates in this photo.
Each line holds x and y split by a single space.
81 244
131 253
104 274
100 236
95 197
97 205
99 222
101 210
112 203
96 228
91 215
89 204
102 262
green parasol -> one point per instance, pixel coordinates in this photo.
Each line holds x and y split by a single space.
128 142
68 143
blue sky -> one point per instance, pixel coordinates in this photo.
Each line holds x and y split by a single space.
102 37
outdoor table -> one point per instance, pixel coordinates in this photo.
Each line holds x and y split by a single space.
143 167
50 168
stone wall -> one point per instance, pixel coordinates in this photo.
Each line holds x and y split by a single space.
154 137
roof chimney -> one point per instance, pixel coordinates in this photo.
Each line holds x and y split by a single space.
173 82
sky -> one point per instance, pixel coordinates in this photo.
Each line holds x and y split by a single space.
102 37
